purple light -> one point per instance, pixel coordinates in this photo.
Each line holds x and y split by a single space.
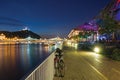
88 27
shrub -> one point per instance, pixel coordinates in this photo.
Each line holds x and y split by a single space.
116 54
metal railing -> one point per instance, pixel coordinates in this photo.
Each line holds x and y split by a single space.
45 71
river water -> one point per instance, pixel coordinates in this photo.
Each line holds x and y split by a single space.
17 60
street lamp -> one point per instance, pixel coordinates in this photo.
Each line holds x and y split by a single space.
97 49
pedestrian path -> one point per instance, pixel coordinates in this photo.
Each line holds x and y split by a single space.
72 65
87 65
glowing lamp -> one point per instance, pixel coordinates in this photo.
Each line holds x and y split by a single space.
96 49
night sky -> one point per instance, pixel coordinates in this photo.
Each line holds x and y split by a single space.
48 17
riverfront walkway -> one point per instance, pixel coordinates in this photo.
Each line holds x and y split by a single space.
85 65
72 65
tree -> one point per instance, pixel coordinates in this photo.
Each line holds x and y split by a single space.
108 25
84 34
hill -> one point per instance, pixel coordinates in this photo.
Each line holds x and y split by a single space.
20 34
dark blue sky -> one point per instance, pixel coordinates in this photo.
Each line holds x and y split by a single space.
53 17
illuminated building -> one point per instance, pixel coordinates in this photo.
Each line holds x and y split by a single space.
2 36
74 32
89 28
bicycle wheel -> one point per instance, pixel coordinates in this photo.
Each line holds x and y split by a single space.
61 69
56 67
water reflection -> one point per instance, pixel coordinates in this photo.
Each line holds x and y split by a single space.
17 60
7 53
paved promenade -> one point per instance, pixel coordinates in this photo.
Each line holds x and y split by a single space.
84 65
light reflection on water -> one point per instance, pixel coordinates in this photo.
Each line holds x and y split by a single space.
17 60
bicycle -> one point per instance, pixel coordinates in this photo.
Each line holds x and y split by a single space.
59 66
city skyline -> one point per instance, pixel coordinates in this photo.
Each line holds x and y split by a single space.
56 17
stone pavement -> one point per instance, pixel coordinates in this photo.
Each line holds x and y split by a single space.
86 65
72 66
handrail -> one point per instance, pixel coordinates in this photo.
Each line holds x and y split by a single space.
45 71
